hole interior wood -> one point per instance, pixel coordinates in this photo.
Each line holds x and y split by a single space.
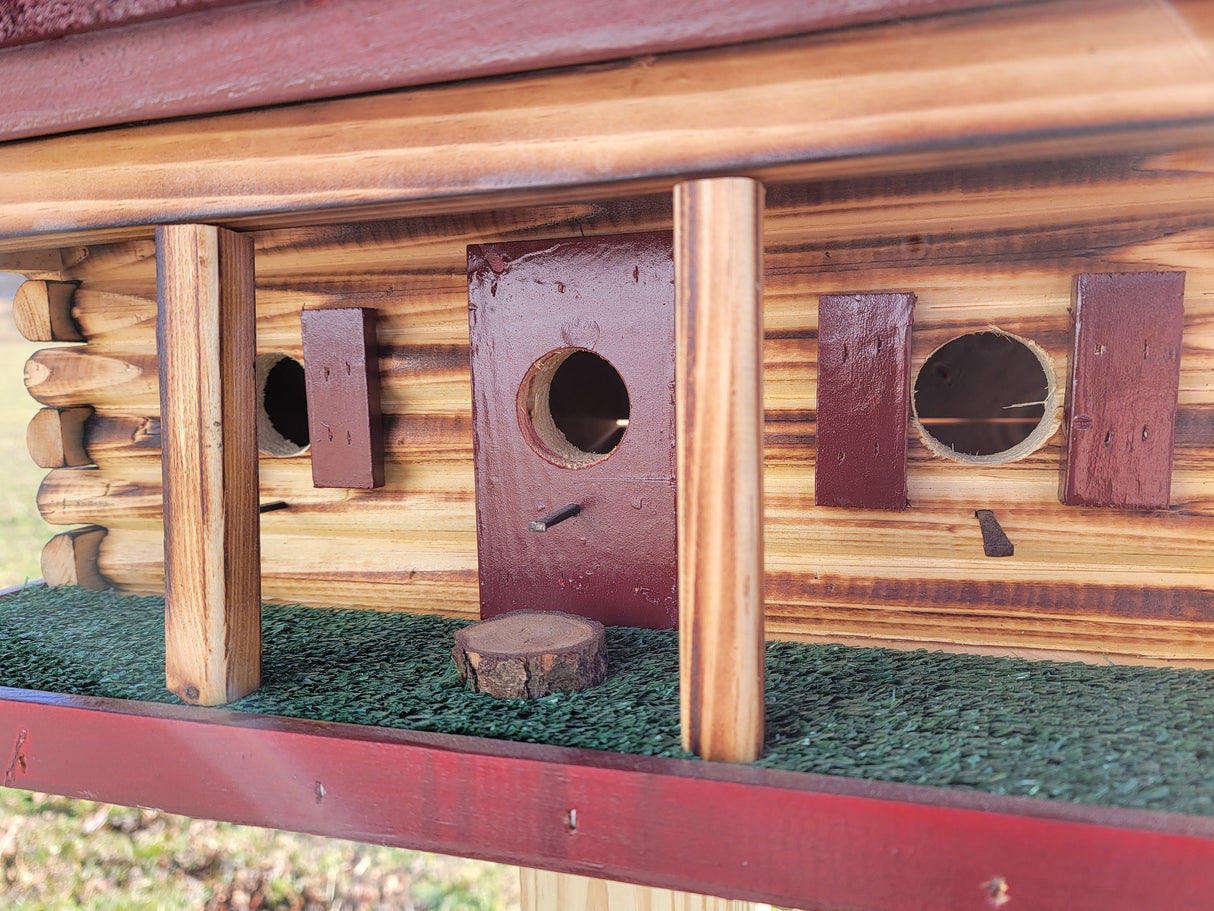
282 405
573 407
985 398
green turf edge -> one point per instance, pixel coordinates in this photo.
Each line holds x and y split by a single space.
1118 736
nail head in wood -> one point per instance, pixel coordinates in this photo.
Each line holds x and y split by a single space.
995 542
555 518
527 654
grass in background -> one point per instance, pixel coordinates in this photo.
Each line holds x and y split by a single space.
59 854
22 531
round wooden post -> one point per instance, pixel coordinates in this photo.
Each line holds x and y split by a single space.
719 402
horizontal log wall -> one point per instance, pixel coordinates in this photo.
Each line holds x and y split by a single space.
989 246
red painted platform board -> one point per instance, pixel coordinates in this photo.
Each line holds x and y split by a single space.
611 299
794 839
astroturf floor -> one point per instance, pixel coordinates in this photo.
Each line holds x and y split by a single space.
1120 736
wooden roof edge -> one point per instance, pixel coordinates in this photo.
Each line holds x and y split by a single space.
198 57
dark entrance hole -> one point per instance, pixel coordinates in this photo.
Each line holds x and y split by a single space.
282 419
573 407
985 397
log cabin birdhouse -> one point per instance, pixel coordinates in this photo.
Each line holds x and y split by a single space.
882 324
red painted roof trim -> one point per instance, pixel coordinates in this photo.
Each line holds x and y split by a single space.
26 21
795 839
264 53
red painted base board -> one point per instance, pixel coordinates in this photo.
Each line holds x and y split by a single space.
795 839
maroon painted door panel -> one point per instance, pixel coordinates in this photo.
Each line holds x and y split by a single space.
1124 376
572 346
863 400
345 422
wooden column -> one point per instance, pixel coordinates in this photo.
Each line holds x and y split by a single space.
719 374
543 890
205 336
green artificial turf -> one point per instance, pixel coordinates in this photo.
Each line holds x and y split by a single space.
1122 736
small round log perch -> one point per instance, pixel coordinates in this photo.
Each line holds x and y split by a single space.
526 654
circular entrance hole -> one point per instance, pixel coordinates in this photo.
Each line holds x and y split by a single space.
282 413
986 398
573 407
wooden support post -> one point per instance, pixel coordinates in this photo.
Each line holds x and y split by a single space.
205 336
719 375
71 558
544 890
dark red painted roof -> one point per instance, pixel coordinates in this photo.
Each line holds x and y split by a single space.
151 59
26 21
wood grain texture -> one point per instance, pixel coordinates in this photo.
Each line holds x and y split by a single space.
42 311
215 61
209 457
55 437
545 890
527 654
968 87
980 246
754 834
1123 375
71 558
719 405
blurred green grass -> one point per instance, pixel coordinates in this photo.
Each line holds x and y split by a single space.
22 531
57 853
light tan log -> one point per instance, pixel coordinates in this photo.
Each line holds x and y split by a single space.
719 397
212 562
55 437
932 92
543 890
71 559
45 263
42 311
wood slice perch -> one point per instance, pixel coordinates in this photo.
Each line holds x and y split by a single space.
526 654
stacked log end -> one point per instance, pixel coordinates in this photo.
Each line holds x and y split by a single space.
42 311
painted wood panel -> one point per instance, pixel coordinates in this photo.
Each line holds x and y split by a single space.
793 838
863 400
214 61
1121 389
978 246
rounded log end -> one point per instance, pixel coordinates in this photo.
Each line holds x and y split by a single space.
42 312
527 654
